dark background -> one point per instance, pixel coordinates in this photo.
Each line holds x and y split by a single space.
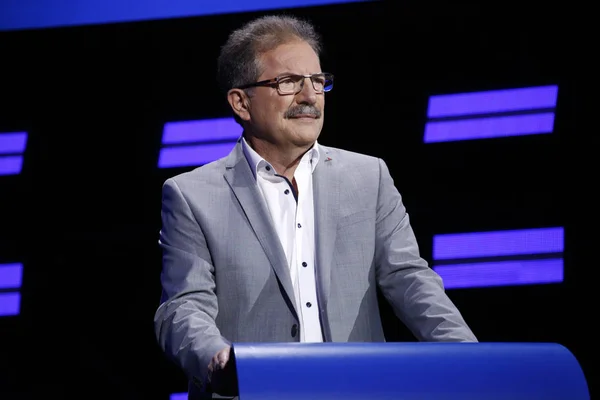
84 214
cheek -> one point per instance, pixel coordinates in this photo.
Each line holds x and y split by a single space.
280 108
268 114
271 108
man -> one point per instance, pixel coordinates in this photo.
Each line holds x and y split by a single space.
284 239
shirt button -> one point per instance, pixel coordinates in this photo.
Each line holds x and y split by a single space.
309 304
304 264
286 191
299 225
268 168
294 330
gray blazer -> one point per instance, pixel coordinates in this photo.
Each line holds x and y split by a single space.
225 276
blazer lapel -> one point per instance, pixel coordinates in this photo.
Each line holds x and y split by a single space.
240 178
326 187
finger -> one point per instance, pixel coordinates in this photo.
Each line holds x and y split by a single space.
223 358
214 364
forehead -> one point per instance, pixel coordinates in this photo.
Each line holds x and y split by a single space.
295 57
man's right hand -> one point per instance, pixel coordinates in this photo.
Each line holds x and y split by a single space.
219 360
222 374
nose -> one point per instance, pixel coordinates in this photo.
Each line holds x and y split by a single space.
307 93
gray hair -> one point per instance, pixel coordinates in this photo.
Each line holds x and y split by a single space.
238 62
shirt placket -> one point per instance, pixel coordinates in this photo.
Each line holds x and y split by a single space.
304 264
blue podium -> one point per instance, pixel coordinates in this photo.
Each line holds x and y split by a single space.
408 371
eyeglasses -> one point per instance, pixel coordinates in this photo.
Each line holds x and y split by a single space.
293 84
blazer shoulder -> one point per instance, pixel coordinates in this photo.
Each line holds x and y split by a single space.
348 155
352 159
207 174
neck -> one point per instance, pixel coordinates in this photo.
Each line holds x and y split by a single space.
284 159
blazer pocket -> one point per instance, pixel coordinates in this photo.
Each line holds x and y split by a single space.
355 218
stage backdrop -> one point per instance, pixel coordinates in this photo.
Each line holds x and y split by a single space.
473 111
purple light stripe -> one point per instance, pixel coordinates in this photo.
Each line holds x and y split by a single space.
12 143
10 304
201 131
501 273
33 14
186 156
498 243
179 396
489 127
493 101
11 276
10 165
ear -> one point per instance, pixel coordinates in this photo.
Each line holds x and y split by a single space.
240 103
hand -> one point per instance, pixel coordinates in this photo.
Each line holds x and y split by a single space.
222 374
219 360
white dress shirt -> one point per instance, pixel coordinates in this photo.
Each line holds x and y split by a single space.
293 218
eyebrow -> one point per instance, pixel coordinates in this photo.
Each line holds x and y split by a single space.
286 73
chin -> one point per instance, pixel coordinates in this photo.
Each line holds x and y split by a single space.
307 136
308 130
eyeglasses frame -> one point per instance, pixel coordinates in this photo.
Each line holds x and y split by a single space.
275 82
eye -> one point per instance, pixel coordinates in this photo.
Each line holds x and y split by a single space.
287 84
318 82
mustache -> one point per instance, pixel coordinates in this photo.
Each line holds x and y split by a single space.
303 109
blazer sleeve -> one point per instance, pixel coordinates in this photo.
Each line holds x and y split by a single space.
184 322
415 291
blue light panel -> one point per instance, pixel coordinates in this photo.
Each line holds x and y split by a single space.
501 258
12 147
11 279
35 14
194 143
491 114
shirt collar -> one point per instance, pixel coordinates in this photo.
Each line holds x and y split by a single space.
256 161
